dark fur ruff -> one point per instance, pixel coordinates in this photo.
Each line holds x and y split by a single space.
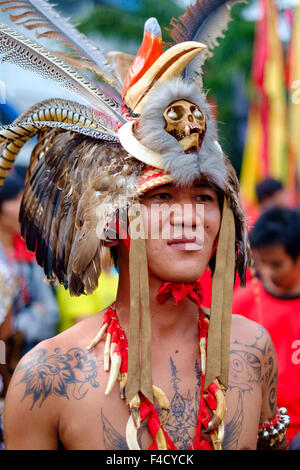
184 168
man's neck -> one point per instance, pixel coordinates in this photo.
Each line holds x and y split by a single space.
166 318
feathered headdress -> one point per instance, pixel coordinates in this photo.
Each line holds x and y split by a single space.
90 157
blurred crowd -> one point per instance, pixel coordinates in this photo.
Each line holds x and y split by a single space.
32 310
272 293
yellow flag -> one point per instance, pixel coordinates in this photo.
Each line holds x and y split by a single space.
251 168
294 104
265 152
274 83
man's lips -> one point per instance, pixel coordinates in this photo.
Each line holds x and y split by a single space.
185 244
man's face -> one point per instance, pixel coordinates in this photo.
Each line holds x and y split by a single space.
278 199
277 267
181 226
9 216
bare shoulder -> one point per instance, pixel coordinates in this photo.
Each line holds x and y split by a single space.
252 341
251 394
58 362
55 372
80 334
247 331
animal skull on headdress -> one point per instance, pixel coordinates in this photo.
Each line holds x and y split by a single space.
186 122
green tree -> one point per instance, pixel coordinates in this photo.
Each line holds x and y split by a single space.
232 58
129 25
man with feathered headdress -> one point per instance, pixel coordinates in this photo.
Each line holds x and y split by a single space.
150 182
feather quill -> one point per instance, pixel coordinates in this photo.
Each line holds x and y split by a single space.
120 63
40 15
28 54
205 22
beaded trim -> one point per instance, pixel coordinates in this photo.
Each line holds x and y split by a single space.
272 433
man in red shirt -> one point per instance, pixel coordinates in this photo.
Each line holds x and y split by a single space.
273 299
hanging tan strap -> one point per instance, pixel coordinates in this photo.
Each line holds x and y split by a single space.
218 341
139 345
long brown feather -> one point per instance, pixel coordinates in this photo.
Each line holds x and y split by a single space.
205 21
31 56
84 173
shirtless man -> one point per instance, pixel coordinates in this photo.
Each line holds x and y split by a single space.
160 147
56 397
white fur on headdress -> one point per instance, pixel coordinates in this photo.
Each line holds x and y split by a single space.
184 168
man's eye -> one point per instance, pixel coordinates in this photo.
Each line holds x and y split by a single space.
204 198
162 196
276 264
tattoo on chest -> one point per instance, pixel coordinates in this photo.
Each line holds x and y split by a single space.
183 418
113 440
67 374
184 410
252 366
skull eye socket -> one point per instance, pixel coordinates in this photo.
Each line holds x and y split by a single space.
175 113
197 113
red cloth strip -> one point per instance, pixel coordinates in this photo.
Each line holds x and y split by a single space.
180 291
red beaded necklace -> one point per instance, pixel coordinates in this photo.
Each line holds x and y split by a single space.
116 360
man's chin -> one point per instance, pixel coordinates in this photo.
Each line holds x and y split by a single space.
179 277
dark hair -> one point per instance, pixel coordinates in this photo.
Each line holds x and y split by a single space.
278 226
267 188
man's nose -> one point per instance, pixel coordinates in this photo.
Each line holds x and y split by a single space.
188 215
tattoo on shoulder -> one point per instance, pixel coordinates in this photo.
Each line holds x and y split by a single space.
251 364
270 378
67 374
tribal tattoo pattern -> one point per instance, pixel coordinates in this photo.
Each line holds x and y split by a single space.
184 410
251 364
72 373
113 440
66 374
181 424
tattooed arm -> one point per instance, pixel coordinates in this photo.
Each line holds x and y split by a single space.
269 380
251 396
45 380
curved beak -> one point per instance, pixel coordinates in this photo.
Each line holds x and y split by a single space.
169 65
